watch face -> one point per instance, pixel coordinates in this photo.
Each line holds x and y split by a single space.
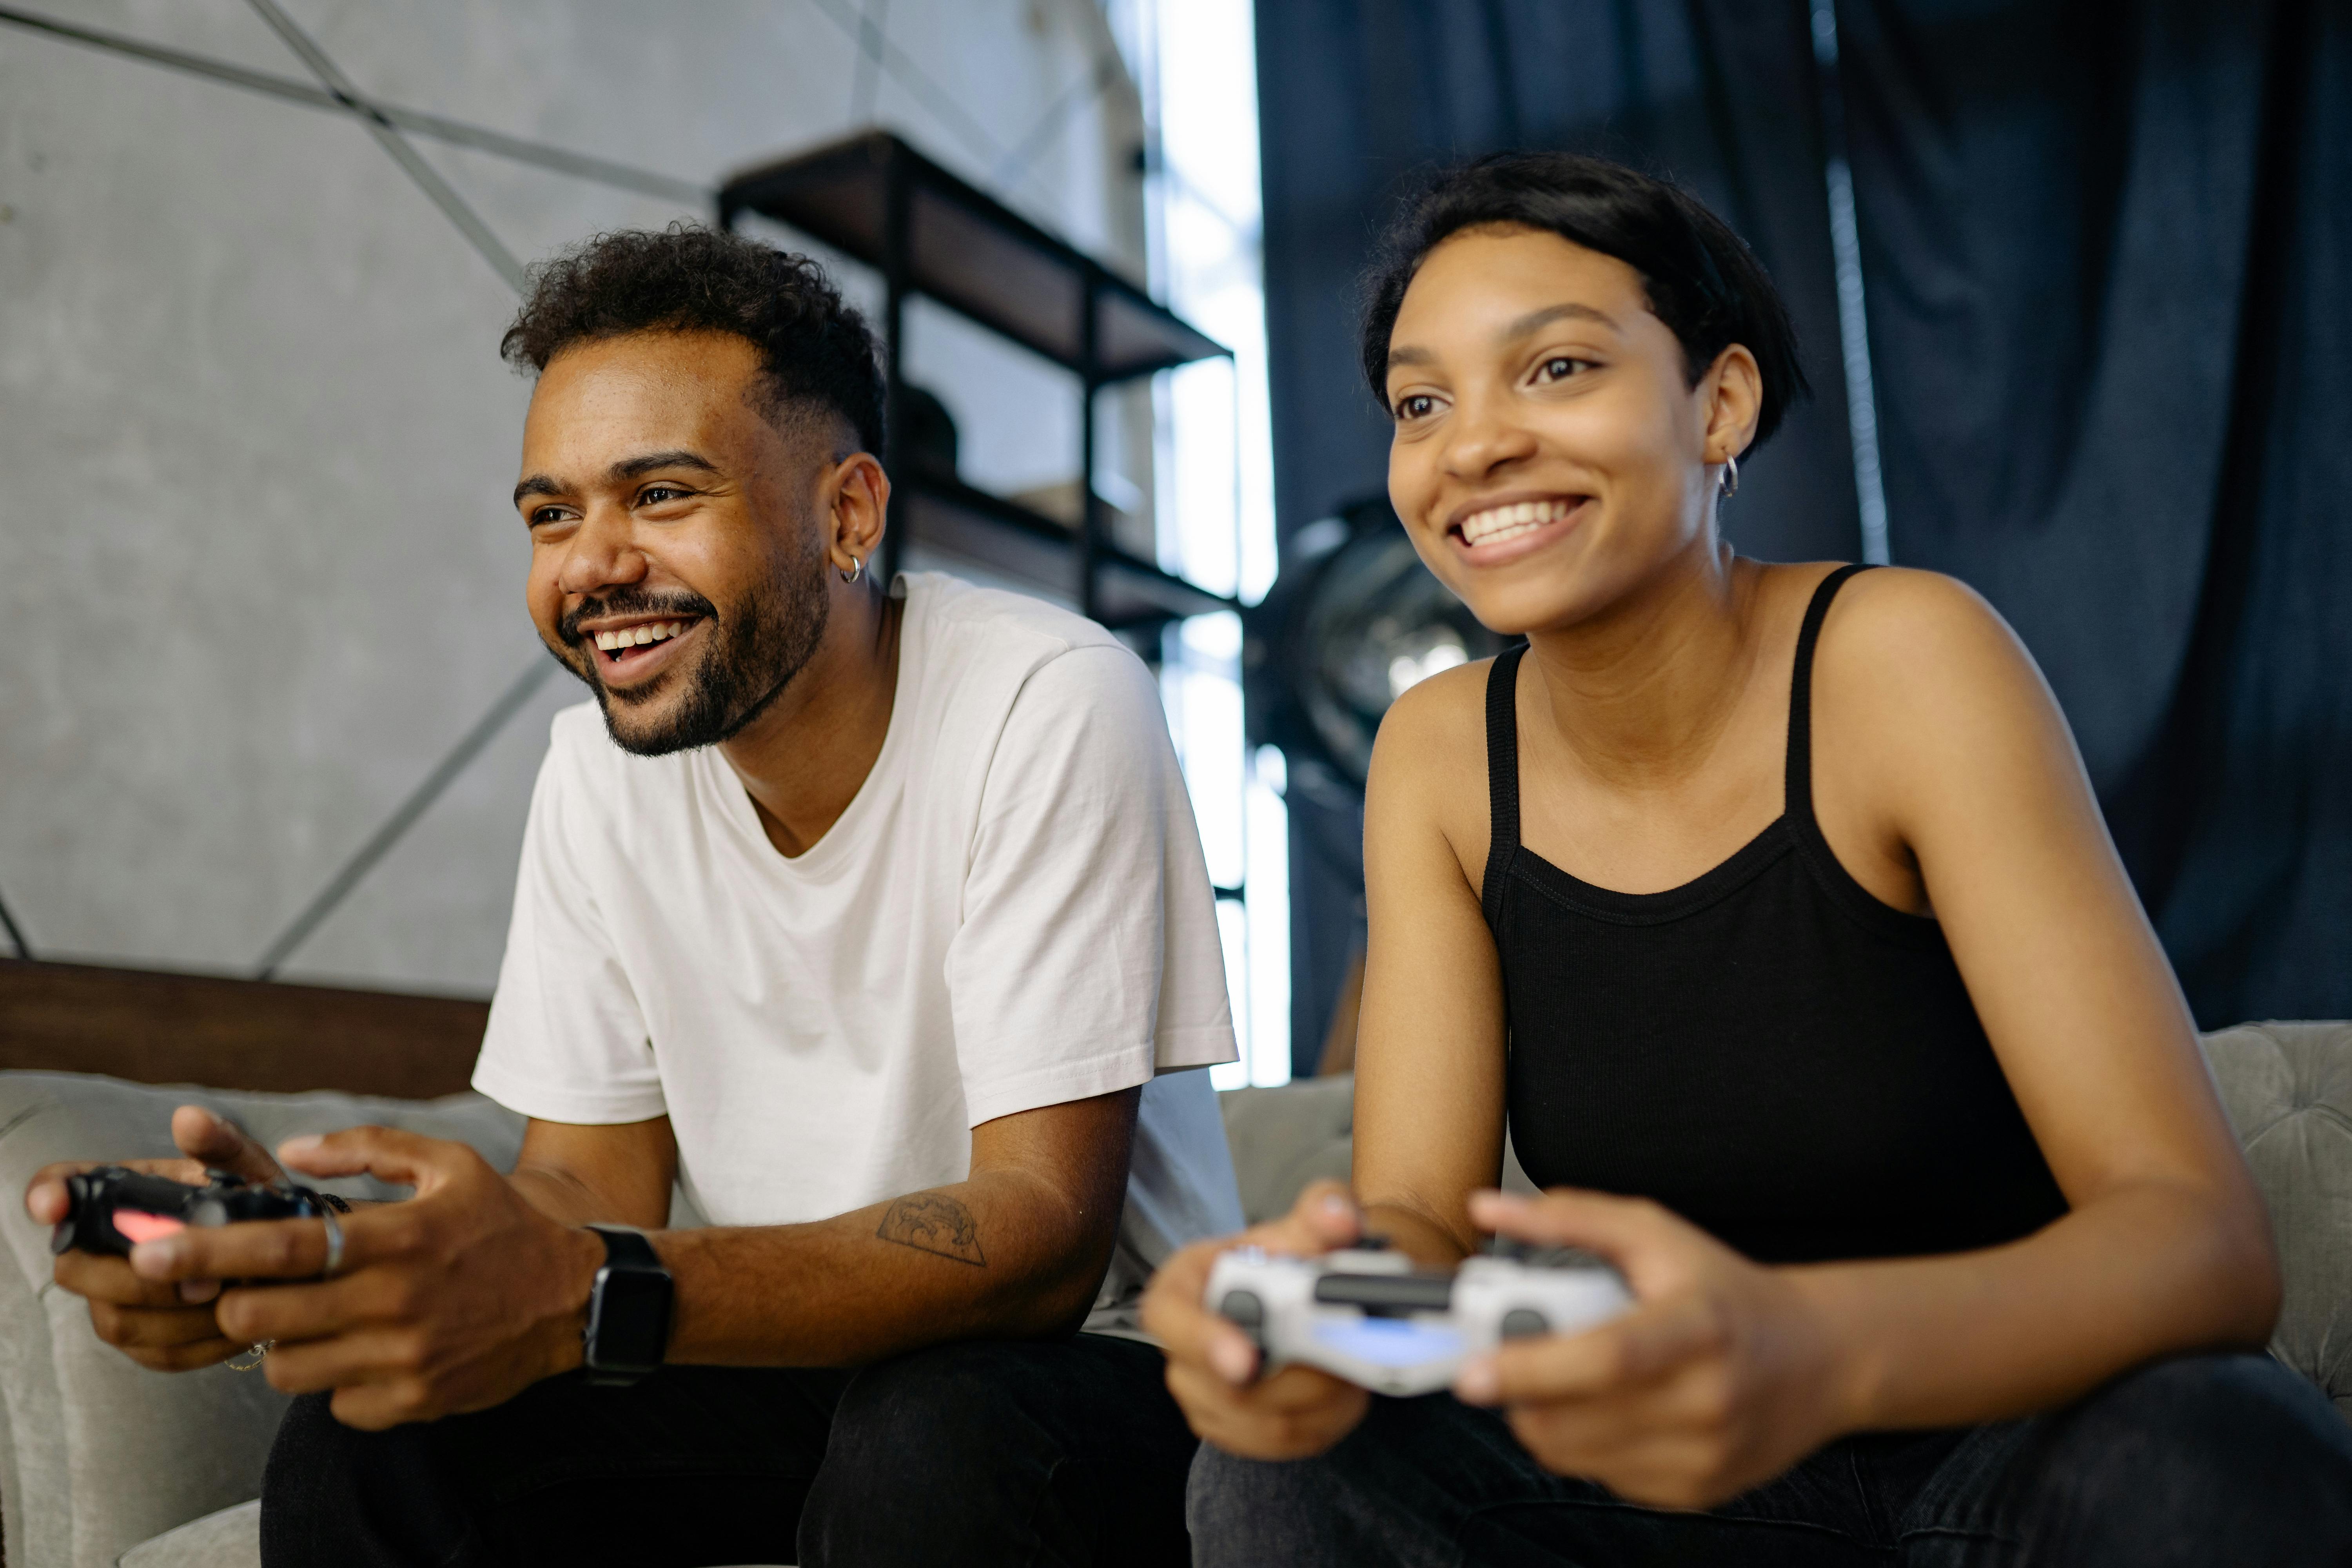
628 1319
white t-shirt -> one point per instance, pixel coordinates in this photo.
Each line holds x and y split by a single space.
1012 912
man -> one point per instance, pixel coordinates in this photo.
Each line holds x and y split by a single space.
878 924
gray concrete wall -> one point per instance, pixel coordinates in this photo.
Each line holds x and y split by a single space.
255 437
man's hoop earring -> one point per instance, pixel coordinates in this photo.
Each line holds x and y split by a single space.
1730 478
856 569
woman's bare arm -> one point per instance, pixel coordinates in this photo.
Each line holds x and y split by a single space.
1941 751
1429 1088
1942 767
2167 1247
1430 1038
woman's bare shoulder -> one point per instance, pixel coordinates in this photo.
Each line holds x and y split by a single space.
1436 731
1911 599
1899 633
1951 700
1427 793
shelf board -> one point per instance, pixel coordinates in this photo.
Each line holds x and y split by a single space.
1128 591
972 252
1011 541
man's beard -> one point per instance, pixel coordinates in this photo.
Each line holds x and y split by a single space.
754 652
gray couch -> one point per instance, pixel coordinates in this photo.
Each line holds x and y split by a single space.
103 1463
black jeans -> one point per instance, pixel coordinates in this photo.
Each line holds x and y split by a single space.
2203 1461
1062 1453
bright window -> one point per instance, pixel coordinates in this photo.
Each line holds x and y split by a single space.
1195 61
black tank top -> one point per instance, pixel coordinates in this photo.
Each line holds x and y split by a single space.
1770 1050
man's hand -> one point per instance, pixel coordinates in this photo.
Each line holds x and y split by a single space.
453 1300
1721 1378
1212 1366
167 1326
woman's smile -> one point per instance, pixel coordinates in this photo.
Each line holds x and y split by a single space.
1493 531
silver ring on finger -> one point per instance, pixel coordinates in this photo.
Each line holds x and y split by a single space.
334 1245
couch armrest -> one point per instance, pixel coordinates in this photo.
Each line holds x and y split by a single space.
2288 1088
101 1454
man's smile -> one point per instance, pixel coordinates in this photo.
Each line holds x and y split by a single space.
630 651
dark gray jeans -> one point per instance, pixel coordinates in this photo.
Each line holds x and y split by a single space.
2199 1462
1061 1455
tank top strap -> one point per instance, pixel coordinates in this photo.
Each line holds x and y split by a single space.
1502 775
1796 801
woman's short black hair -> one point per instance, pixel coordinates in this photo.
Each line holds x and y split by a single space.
814 347
1701 280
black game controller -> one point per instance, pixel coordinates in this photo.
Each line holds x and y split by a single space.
110 1209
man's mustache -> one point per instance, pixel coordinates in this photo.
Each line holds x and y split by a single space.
678 606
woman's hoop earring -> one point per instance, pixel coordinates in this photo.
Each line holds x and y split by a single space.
856 570
1730 477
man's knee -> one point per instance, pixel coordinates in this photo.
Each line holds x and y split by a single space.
939 1413
333 1494
1049 1452
310 1469
916 1440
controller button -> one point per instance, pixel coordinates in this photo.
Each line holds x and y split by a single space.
1521 1322
1242 1308
136 1225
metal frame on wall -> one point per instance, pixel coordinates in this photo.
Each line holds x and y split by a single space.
875 199
1109 578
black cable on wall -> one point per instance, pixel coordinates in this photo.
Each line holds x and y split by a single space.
15 937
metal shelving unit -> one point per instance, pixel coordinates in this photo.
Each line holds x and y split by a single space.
926 231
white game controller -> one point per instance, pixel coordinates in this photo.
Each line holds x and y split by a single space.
1367 1316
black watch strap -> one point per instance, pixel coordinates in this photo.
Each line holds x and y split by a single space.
627 1334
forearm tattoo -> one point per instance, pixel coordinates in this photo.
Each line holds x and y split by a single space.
934 1223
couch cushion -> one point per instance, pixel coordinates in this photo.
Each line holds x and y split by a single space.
103 1454
230 1539
1285 1137
2288 1088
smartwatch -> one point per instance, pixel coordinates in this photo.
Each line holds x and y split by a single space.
628 1310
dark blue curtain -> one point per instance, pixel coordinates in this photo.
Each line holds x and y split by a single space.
2104 245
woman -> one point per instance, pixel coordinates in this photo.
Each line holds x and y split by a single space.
1772 908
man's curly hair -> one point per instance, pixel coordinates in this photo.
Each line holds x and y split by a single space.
815 349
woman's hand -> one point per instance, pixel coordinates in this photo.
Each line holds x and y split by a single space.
164 1325
1722 1376
1213 1367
